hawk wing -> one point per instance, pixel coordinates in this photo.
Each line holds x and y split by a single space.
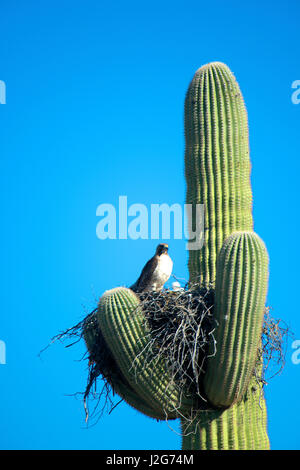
146 275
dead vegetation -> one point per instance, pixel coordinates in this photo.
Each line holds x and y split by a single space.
181 328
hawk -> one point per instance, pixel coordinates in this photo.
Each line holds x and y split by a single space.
156 271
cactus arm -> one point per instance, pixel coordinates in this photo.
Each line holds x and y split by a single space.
124 329
127 393
240 293
114 377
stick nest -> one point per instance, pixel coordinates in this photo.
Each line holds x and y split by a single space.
181 328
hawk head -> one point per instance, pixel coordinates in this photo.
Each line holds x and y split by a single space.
162 248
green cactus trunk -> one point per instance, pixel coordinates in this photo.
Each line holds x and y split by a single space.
217 164
240 427
217 169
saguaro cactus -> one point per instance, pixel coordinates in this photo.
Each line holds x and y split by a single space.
233 258
233 261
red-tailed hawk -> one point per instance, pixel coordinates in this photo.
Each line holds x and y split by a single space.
156 271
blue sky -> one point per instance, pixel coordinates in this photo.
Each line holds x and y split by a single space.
94 110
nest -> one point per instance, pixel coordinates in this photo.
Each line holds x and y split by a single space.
181 329
275 334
